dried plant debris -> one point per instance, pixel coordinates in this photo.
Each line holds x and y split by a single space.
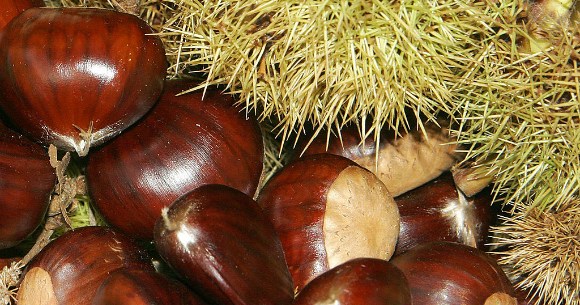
9 278
542 252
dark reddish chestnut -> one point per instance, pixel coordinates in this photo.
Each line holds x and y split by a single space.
328 210
12 8
76 77
143 287
218 239
183 143
403 162
77 263
436 211
26 182
446 273
367 281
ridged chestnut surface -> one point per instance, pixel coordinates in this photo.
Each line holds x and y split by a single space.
183 143
437 211
143 287
218 239
26 182
76 77
328 210
446 273
367 281
403 162
12 8
79 261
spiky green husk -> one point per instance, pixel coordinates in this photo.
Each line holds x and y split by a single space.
329 62
543 252
519 115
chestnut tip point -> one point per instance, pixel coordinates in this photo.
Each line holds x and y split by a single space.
167 223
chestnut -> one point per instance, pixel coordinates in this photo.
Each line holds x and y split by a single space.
219 240
368 281
186 141
26 183
12 8
76 77
402 160
437 211
447 273
73 266
140 287
327 210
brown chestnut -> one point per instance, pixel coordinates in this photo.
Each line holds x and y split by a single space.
143 287
26 183
437 211
185 142
367 281
447 273
72 267
12 8
220 241
77 77
327 210
402 161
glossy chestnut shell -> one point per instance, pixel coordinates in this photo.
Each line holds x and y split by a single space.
26 182
367 281
327 210
141 287
437 211
447 273
79 261
186 141
12 8
76 77
220 241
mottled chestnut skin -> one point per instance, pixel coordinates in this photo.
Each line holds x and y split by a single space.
327 210
63 70
183 143
446 273
218 239
26 182
79 261
436 211
12 8
367 281
143 287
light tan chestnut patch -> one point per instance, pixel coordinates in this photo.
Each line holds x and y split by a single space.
36 288
361 218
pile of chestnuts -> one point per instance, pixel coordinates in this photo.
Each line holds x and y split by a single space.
178 177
